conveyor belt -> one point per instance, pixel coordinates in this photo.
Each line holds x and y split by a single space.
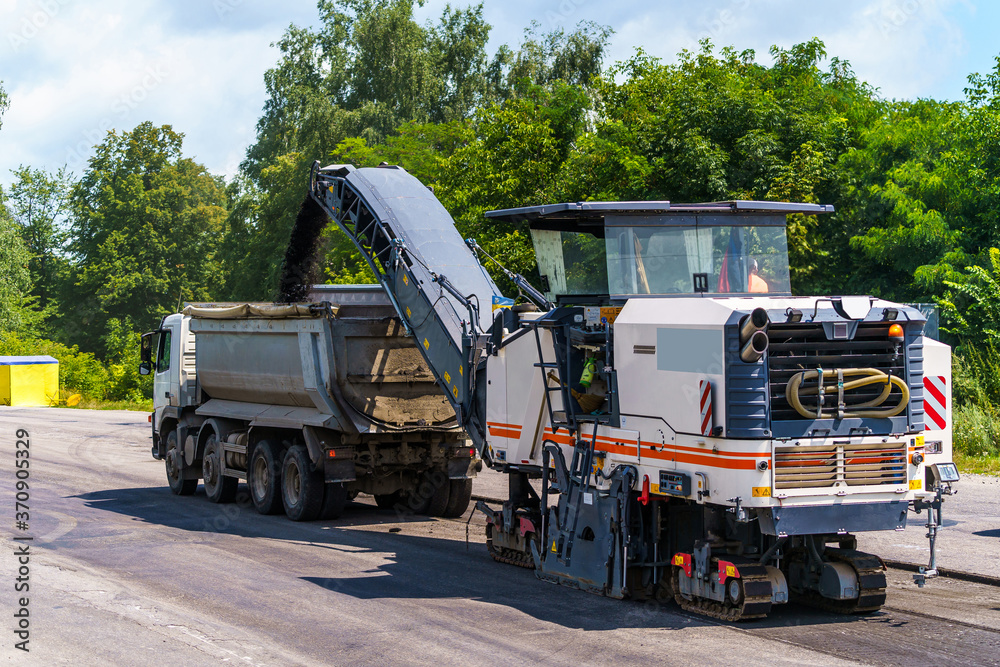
438 287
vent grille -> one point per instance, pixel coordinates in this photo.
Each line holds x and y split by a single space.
798 347
839 464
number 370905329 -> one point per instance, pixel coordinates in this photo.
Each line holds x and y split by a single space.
22 464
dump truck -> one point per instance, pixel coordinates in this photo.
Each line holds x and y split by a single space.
309 404
673 422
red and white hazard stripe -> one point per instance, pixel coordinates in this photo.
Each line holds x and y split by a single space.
706 407
935 402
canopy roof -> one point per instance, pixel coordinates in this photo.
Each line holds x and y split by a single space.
587 213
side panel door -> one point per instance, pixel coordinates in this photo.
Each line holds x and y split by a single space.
163 393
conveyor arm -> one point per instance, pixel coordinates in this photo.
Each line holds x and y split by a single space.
437 285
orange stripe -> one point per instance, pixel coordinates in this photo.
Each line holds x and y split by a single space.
505 433
601 438
658 445
674 453
678 457
702 460
503 425
615 449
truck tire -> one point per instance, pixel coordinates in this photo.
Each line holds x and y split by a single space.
175 464
264 477
439 500
458 500
301 486
335 499
218 488
431 495
386 501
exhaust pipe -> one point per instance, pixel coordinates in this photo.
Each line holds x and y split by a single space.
754 348
753 335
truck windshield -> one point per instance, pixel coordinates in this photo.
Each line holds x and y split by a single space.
640 259
727 259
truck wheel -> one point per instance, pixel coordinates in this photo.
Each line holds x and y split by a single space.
431 495
442 493
264 477
218 488
386 501
301 487
458 501
335 499
175 464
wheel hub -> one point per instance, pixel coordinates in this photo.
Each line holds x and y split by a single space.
293 484
210 469
172 468
734 591
260 478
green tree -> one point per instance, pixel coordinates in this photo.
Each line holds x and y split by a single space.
717 126
973 306
3 103
372 81
37 202
146 224
369 68
15 281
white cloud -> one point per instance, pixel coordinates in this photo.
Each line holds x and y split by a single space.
114 64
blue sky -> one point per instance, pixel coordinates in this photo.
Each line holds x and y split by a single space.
75 68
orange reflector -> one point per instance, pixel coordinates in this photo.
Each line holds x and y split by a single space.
896 332
330 453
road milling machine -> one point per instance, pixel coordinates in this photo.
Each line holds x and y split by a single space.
672 421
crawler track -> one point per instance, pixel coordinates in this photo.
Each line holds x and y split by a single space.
508 556
755 602
871 578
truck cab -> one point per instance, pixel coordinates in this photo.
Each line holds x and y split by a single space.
168 354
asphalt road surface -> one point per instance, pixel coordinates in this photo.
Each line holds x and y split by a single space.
124 573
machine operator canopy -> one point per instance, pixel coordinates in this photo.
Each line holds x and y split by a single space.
623 250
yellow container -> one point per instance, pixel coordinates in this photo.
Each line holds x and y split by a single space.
29 381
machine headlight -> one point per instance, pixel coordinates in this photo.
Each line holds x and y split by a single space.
944 473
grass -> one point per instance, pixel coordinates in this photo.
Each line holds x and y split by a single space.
978 464
93 404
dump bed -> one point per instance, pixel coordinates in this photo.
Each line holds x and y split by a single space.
342 361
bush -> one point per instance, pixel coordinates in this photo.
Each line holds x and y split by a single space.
79 372
976 430
124 381
976 375
976 397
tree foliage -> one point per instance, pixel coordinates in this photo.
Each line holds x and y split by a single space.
3 103
37 203
372 81
146 225
15 279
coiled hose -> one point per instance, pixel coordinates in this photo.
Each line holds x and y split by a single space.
871 376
